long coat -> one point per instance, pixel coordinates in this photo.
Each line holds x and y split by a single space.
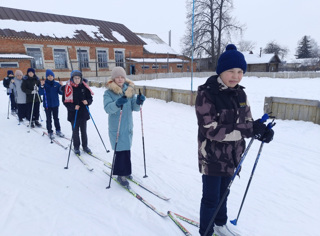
50 92
111 95
19 95
224 120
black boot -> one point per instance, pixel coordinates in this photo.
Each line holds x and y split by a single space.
123 181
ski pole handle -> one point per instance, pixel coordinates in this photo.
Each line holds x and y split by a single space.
264 118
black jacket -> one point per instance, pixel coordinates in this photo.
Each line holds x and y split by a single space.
80 93
27 86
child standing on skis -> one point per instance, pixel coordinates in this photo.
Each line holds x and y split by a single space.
6 83
30 85
224 120
50 89
19 95
120 96
77 95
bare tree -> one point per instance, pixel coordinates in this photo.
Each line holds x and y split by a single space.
213 28
274 47
246 46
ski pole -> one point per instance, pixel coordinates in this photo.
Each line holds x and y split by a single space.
144 155
40 103
9 105
74 125
31 117
235 221
262 120
45 96
115 148
97 130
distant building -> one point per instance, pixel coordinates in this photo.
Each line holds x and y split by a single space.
158 57
302 64
64 43
262 62
255 62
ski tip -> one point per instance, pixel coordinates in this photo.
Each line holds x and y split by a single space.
234 222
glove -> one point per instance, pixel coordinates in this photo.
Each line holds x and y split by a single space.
140 99
34 92
259 129
121 101
268 136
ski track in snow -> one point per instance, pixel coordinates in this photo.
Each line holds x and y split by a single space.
39 197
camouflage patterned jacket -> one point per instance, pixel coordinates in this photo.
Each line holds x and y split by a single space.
224 120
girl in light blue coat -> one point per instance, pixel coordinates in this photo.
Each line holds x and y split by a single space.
120 93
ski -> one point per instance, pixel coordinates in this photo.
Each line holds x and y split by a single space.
64 137
55 141
136 195
98 158
183 229
192 222
141 185
83 162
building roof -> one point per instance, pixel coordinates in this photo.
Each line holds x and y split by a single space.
263 59
15 56
45 26
154 44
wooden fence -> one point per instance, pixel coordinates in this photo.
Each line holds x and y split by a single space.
293 109
281 108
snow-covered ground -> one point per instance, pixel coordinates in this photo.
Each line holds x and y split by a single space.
39 197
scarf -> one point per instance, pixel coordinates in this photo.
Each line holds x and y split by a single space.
68 91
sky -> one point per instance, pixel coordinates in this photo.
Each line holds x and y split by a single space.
39 197
285 21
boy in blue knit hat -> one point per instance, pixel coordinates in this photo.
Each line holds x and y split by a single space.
50 89
6 83
224 120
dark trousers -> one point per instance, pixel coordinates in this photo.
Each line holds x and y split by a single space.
52 112
13 102
36 111
22 111
213 188
122 164
81 125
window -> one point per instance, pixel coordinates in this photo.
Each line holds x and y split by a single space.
37 61
119 58
155 67
60 58
83 58
164 66
145 67
179 66
102 58
9 64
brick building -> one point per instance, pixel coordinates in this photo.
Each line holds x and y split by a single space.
64 43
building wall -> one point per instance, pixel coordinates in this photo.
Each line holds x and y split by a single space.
14 45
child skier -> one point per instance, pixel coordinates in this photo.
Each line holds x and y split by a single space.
120 95
50 89
19 95
76 96
6 83
224 120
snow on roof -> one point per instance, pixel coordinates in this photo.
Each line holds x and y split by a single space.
15 56
54 29
119 36
256 59
155 44
158 60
